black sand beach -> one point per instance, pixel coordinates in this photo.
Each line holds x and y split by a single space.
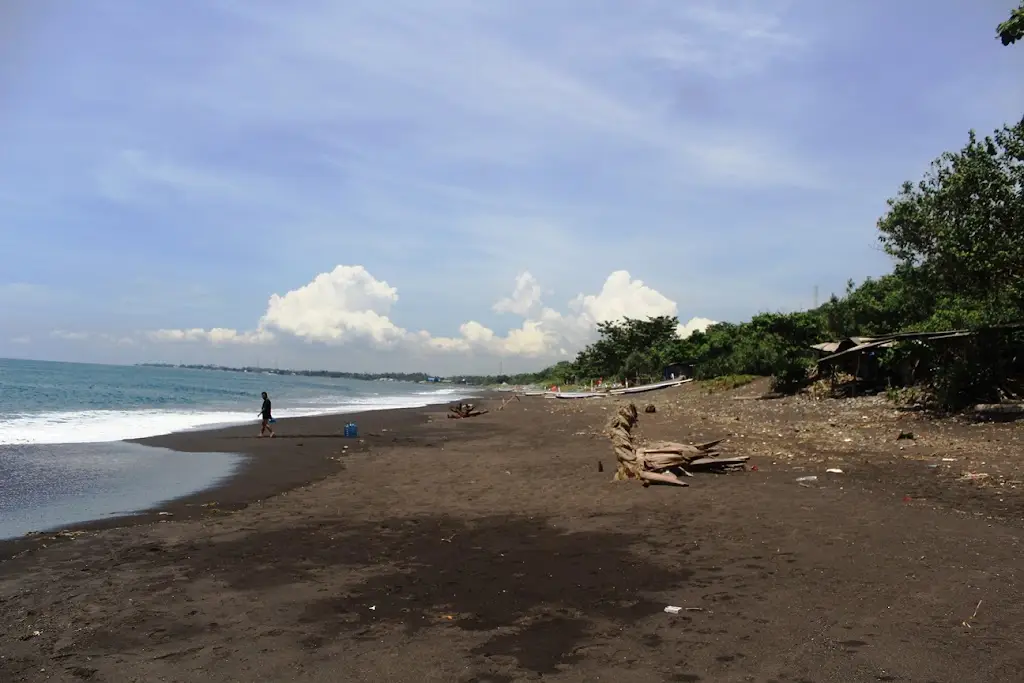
266 470
493 549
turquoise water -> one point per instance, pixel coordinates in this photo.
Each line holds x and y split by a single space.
62 424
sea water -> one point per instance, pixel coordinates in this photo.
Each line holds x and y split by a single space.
62 426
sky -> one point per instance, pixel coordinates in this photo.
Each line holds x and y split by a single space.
459 185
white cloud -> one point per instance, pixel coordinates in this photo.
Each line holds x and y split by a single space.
525 297
217 336
695 325
345 304
623 297
96 337
348 305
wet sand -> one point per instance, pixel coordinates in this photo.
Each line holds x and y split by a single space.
269 467
493 550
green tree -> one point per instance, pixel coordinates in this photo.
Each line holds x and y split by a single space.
899 301
628 348
1012 30
960 230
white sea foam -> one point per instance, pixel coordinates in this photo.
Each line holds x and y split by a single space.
94 426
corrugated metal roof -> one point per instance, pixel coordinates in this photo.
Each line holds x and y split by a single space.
860 348
861 344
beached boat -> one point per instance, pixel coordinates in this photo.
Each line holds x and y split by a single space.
649 387
576 394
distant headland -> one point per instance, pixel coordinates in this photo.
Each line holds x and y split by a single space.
417 377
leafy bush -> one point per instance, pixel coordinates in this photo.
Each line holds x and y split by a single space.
792 375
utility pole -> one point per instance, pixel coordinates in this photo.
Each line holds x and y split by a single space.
815 296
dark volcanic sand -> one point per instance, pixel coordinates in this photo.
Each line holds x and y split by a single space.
492 550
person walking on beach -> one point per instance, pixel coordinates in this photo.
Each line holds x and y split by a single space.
265 415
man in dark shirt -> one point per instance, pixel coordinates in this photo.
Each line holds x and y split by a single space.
265 414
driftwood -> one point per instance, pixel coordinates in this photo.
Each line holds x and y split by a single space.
661 478
461 410
508 400
999 408
663 462
999 411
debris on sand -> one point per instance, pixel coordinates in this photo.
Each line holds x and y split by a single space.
461 410
664 462
508 400
999 412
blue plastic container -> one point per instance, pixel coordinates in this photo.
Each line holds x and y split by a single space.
351 431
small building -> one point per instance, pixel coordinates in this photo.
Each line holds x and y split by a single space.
859 356
680 370
855 356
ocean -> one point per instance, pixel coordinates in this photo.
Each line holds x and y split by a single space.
62 429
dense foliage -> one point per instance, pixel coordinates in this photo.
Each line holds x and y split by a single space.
1012 30
957 240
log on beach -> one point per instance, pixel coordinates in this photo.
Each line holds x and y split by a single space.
663 462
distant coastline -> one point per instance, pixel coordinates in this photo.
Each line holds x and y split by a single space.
413 377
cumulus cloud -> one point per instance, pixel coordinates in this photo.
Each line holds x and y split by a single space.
349 305
622 297
524 298
345 304
695 325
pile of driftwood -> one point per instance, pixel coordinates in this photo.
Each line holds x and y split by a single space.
460 410
663 462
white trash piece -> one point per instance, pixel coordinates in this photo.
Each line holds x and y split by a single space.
834 470
813 477
672 609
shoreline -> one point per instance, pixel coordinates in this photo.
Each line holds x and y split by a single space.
261 473
498 549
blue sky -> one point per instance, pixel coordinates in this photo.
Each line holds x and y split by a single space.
391 171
